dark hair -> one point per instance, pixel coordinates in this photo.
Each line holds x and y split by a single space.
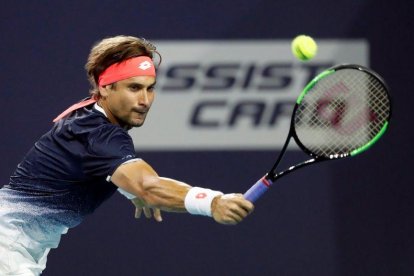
113 50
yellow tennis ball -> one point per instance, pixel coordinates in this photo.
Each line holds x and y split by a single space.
304 47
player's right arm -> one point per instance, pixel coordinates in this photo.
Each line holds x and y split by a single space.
141 180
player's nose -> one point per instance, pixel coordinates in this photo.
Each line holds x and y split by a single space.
143 98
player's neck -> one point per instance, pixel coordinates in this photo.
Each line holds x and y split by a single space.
109 114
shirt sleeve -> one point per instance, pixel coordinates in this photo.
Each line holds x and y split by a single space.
126 194
108 147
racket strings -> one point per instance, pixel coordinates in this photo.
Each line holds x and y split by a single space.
341 112
378 106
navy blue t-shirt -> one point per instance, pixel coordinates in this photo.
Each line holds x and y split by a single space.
66 172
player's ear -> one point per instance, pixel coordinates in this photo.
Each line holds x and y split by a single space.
104 91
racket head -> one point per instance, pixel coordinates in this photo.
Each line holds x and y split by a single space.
342 112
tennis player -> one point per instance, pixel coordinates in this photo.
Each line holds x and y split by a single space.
87 155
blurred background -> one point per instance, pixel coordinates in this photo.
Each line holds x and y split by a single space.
349 217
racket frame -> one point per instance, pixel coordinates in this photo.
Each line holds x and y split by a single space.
263 184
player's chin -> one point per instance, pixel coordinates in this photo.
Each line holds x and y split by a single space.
137 122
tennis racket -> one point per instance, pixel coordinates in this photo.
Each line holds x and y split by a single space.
342 112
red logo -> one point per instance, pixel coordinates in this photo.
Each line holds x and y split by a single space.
201 195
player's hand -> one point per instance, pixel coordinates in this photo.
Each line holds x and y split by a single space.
230 208
140 207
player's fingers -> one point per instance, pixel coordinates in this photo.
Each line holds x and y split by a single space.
240 213
147 212
236 218
157 215
232 219
236 208
247 206
240 205
233 215
138 212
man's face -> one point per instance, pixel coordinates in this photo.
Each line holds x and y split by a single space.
128 101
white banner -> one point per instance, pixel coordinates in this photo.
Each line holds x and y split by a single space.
238 94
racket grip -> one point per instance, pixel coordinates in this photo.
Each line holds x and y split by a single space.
258 189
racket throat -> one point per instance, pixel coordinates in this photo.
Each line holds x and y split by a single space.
274 176
279 158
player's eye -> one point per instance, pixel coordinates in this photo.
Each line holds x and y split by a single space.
151 88
134 87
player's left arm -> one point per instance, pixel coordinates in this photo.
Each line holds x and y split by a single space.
140 179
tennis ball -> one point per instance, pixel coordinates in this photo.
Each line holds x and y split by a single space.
304 47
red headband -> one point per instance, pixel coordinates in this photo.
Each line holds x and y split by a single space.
133 67
136 66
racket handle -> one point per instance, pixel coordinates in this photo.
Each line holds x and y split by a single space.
258 189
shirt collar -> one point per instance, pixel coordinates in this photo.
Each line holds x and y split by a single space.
100 109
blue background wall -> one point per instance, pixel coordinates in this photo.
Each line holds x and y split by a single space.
343 218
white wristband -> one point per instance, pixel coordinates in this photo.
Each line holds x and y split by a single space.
198 201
